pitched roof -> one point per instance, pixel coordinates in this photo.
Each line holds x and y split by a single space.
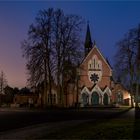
108 63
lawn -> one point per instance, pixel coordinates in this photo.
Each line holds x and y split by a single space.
101 129
113 128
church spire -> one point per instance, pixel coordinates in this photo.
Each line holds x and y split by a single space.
88 41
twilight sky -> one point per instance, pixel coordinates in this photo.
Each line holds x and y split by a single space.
109 21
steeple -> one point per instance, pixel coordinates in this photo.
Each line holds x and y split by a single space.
88 41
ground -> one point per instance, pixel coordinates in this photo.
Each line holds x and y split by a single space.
93 123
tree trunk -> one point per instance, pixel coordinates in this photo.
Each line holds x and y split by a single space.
131 94
45 85
136 96
50 81
45 95
58 85
62 93
77 87
137 89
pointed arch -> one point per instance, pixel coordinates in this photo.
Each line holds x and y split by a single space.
99 64
90 64
94 61
97 89
85 89
85 99
105 99
85 96
108 91
95 98
107 96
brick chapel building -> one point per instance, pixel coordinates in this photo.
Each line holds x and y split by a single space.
96 84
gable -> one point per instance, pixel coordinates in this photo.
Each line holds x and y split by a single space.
95 51
95 70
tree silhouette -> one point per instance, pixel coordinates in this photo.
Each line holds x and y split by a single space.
3 82
126 60
53 40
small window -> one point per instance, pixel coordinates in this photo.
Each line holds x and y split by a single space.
90 66
119 97
94 63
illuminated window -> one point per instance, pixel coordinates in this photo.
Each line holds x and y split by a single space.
119 97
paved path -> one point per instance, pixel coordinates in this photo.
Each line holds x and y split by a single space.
15 119
36 131
129 114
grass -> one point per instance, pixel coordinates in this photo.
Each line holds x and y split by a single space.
102 129
119 128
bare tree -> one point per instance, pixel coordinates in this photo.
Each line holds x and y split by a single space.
37 50
67 47
3 82
53 39
126 58
137 66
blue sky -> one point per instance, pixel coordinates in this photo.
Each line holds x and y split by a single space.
109 21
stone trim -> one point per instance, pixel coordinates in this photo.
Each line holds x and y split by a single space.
98 90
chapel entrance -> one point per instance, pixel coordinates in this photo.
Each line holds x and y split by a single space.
95 98
105 100
85 99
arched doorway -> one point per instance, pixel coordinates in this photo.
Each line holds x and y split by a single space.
85 99
95 98
105 100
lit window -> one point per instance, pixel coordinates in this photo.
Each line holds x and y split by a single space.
119 97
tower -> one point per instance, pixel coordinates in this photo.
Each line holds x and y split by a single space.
88 41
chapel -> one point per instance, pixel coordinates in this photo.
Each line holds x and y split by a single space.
96 84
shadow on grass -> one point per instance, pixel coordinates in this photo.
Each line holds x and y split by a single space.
136 133
110 127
